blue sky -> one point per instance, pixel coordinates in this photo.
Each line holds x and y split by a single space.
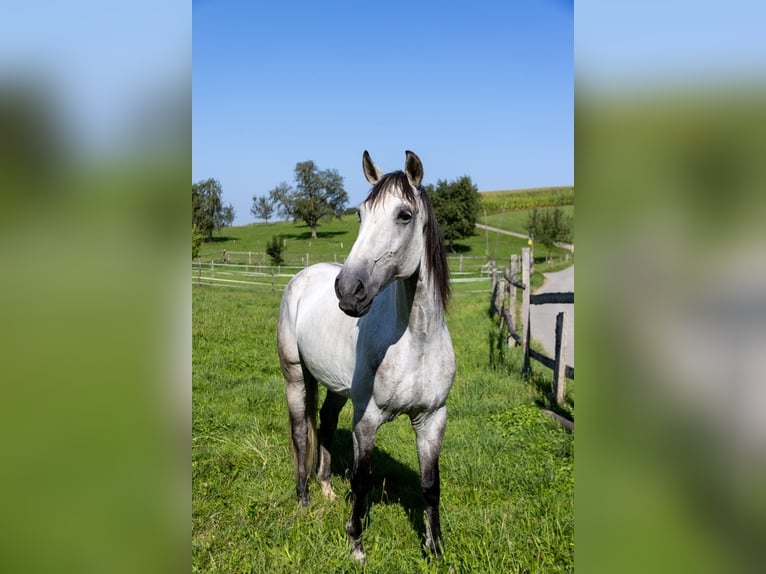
654 45
482 88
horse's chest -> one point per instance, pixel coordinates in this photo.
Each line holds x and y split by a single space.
407 381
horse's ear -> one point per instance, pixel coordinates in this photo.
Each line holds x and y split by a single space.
371 171
413 168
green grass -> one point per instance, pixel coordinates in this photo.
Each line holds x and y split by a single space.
507 470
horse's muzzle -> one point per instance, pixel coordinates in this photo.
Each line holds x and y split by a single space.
353 296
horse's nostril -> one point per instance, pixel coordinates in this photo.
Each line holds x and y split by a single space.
359 291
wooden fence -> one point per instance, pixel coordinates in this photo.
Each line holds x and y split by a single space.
504 300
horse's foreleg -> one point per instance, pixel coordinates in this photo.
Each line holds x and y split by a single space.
429 431
361 478
328 422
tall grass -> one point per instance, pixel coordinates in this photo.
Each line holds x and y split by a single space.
507 470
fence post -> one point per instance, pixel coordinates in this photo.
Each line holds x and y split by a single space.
461 263
525 305
250 257
559 370
502 286
307 259
199 272
512 294
272 278
212 267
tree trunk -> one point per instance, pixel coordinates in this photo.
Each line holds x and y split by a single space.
313 232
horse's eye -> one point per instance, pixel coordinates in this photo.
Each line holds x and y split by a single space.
404 217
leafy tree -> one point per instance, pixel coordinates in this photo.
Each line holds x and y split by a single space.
457 206
274 250
281 198
548 227
228 215
208 210
318 194
262 208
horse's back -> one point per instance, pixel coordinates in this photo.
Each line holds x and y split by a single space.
314 331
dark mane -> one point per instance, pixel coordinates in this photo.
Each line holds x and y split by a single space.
436 254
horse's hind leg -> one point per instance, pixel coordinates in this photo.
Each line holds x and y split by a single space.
328 422
429 432
302 404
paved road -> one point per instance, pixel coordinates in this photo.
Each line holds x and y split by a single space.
543 317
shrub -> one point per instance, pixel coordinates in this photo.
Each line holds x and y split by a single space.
274 249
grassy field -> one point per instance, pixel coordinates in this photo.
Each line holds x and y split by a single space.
507 470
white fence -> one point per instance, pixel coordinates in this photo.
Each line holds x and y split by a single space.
251 269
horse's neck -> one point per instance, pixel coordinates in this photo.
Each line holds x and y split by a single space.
418 305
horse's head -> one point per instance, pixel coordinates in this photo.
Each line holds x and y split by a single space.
397 227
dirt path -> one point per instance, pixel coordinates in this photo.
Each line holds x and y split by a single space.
543 317
522 235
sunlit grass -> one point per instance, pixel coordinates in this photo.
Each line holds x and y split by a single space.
507 479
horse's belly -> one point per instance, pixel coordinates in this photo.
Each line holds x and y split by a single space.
333 368
327 345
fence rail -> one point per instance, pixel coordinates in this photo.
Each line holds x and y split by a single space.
458 263
253 269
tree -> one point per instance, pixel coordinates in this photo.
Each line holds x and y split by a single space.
318 194
457 206
262 208
208 210
281 198
548 227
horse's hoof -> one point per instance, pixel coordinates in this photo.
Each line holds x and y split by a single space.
436 548
327 490
358 553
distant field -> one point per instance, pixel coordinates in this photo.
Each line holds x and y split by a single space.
496 201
